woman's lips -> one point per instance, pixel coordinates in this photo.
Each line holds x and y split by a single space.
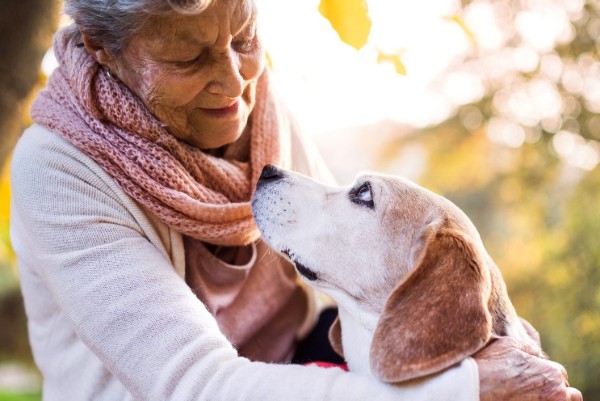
225 111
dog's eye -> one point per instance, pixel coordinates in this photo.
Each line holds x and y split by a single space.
362 195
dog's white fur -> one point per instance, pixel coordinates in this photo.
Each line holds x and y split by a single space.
360 252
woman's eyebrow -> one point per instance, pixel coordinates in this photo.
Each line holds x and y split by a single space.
250 24
247 13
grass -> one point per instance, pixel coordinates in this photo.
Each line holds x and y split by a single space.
9 396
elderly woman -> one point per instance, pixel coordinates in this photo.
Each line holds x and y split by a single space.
139 260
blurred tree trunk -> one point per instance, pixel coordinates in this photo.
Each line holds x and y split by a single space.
26 29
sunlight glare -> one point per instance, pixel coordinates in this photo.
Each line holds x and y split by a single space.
542 26
505 132
329 85
49 62
482 19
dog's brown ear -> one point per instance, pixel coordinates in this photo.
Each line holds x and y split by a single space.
437 315
335 337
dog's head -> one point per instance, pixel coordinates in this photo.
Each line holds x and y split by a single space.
388 247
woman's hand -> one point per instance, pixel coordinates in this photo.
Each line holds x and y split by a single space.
509 371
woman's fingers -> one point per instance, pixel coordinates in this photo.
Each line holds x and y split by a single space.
510 373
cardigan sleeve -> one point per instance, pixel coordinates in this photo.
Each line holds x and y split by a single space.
81 241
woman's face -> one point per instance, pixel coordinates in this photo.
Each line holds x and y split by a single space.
197 74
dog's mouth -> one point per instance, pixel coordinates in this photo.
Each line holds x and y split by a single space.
302 269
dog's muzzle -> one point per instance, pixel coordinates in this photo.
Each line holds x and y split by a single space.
270 176
270 173
302 269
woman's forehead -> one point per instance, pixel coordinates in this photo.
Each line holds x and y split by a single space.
235 15
243 10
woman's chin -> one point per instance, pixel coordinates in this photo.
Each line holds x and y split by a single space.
214 139
213 131
210 136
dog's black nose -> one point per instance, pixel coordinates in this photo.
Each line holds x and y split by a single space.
271 173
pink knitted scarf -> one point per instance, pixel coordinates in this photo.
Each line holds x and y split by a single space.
200 195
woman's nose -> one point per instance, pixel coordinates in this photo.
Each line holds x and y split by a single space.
227 79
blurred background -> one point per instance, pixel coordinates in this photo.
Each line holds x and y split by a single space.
494 104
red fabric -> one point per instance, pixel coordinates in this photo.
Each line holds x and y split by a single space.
328 365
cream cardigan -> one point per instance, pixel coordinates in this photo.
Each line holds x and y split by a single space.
111 317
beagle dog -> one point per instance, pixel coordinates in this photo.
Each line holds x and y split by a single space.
416 290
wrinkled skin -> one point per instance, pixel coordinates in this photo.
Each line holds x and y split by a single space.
510 372
196 73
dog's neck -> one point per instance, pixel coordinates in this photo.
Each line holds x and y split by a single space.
358 327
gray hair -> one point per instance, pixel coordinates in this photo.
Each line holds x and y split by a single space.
110 23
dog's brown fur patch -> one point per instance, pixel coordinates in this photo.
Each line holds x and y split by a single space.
438 315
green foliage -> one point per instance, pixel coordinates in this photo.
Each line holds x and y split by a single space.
569 281
10 396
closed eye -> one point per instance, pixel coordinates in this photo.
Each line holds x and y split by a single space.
245 45
198 60
362 195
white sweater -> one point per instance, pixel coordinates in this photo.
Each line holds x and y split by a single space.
111 317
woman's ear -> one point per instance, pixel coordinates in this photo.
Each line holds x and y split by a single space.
438 315
102 55
335 337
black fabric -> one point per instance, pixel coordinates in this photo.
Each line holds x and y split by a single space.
315 347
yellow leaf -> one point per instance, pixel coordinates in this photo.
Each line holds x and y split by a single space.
458 21
5 191
269 60
6 252
395 59
349 18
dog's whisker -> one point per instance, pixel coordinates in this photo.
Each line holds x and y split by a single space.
268 252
